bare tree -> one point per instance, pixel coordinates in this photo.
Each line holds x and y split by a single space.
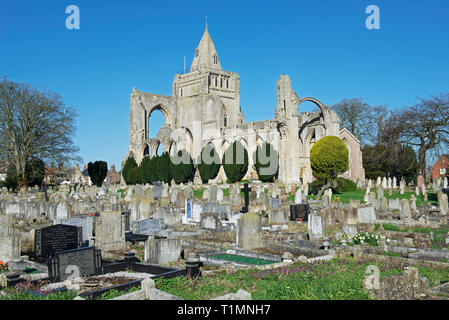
424 126
363 120
34 124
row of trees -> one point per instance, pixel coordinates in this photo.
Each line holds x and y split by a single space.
182 168
398 142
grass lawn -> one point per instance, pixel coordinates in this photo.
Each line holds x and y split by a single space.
327 280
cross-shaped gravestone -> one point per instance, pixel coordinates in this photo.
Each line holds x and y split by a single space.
246 191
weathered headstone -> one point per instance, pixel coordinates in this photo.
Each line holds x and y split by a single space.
10 243
315 227
405 210
213 193
249 235
162 251
147 226
366 214
110 231
420 181
298 196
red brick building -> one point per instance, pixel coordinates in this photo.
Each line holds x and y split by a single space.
441 167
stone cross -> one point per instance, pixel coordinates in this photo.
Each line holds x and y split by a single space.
246 191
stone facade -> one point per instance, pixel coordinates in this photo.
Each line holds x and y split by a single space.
205 109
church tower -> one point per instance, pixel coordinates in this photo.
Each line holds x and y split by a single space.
205 54
207 90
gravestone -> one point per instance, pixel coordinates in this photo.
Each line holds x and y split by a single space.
366 214
193 212
181 199
213 193
395 183
315 227
162 251
275 203
110 231
394 204
188 192
10 243
249 235
209 221
405 211
384 182
443 204
219 195
402 186
278 216
157 190
74 263
60 237
380 192
206 194
147 226
306 189
420 181
86 223
298 196
299 212
188 208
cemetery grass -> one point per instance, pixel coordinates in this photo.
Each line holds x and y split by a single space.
359 195
339 279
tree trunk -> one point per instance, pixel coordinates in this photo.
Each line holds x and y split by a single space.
422 160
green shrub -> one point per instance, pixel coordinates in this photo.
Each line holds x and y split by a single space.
270 160
182 172
163 168
329 157
208 170
130 164
35 172
97 172
345 185
342 185
147 170
11 181
133 176
235 171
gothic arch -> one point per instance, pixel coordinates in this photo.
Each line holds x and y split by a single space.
323 108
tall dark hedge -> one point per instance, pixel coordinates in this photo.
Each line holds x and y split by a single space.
208 170
11 176
182 172
97 172
34 172
147 170
163 168
130 164
272 164
235 171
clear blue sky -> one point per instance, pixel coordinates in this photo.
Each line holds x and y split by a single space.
322 45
